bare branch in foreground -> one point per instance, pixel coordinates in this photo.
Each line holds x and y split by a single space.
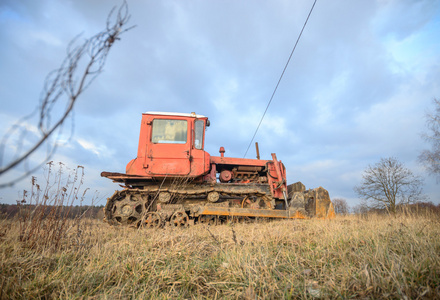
83 63
430 158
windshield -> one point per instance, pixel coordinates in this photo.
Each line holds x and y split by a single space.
169 131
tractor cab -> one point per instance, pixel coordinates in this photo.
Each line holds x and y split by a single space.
171 145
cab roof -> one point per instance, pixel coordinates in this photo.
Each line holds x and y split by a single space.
193 114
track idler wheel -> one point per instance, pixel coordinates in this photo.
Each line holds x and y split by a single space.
179 219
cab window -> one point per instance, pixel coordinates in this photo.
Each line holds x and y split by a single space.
169 131
198 139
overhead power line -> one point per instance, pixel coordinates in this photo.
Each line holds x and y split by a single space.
279 80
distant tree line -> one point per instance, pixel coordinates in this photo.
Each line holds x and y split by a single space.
342 208
9 211
414 208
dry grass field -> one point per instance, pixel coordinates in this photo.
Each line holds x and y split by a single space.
349 257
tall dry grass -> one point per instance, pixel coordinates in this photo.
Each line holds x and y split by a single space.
349 257
44 210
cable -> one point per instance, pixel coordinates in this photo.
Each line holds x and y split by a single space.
279 80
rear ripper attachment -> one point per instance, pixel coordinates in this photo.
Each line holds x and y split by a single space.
174 181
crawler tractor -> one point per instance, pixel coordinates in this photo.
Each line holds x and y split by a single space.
174 181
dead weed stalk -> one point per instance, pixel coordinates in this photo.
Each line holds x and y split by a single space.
44 212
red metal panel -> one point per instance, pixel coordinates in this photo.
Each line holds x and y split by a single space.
200 162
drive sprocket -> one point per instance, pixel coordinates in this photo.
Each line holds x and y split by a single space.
126 207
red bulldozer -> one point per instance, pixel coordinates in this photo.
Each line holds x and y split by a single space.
174 181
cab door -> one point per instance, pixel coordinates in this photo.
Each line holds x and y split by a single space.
170 147
200 162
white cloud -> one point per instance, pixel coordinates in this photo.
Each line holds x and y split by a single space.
99 150
46 37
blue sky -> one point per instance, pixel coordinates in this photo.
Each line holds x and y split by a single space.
357 88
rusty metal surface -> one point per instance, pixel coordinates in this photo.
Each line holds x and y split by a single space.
296 187
318 203
247 212
238 161
122 176
225 176
257 149
194 189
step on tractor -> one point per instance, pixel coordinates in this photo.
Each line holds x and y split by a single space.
174 181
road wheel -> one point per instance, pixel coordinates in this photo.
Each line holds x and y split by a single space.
179 219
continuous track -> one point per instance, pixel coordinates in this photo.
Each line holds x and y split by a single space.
157 205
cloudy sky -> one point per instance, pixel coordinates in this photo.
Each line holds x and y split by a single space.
357 88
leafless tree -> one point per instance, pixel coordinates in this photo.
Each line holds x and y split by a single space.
431 158
83 63
387 184
360 209
340 206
